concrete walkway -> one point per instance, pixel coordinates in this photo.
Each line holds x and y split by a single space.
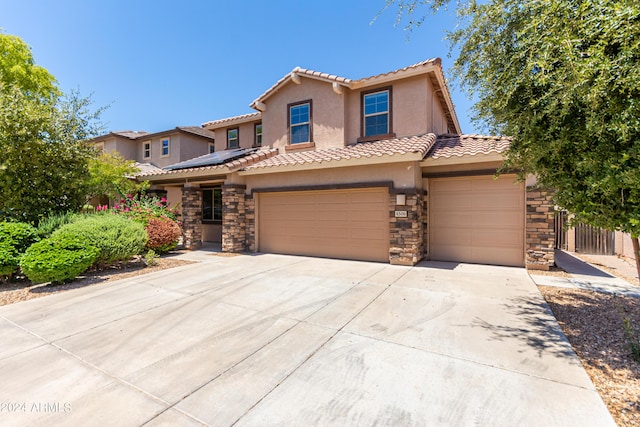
587 276
270 340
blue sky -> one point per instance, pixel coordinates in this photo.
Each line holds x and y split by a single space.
161 64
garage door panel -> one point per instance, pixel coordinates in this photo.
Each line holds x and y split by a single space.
352 224
477 219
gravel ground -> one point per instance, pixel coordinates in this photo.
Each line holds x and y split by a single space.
593 324
23 290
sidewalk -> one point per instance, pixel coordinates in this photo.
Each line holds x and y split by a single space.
587 276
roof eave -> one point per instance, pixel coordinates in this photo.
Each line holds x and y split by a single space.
464 159
360 161
186 173
386 78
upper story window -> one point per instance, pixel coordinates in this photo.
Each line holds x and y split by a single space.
300 122
233 140
146 150
376 110
212 147
165 147
257 141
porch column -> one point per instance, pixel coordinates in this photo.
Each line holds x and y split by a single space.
192 216
406 233
234 218
540 231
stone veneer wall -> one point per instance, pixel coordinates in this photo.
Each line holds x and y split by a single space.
425 225
192 217
250 214
406 234
540 231
234 225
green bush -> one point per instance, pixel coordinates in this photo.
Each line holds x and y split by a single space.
15 238
47 226
117 237
20 235
58 259
9 260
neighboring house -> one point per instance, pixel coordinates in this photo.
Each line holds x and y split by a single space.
159 149
370 169
153 151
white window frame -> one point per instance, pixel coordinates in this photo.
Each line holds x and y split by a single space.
146 152
168 140
307 123
257 134
236 139
379 113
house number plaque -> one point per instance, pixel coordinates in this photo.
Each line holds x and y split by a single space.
401 214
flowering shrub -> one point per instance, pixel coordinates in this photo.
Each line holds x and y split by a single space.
163 234
159 220
141 207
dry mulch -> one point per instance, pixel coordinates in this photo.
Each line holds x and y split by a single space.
23 290
593 324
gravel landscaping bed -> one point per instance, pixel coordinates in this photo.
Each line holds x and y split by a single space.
23 290
593 323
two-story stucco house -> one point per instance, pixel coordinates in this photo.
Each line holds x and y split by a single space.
370 169
159 149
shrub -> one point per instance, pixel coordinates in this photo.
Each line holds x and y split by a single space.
9 260
58 259
15 238
163 234
141 207
117 237
47 226
20 235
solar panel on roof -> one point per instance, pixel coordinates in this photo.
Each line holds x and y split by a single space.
213 159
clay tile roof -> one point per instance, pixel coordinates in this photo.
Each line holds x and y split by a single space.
305 72
234 119
231 165
431 61
419 144
196 130
468 145
131 134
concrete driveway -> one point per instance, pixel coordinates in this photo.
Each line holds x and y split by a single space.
282 340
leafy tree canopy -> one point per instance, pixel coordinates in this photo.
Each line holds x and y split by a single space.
44 162
561 77
110 175
17 68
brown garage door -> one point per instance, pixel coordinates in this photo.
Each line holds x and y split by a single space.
477 219
349 224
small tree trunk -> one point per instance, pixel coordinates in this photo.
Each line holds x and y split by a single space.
636 252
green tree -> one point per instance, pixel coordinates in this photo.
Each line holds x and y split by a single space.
561 77
111 175
17 68
44 162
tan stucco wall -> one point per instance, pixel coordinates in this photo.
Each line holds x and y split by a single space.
403 175
191 146
212 233
412 101
246 133
124 146
328 114
174 197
